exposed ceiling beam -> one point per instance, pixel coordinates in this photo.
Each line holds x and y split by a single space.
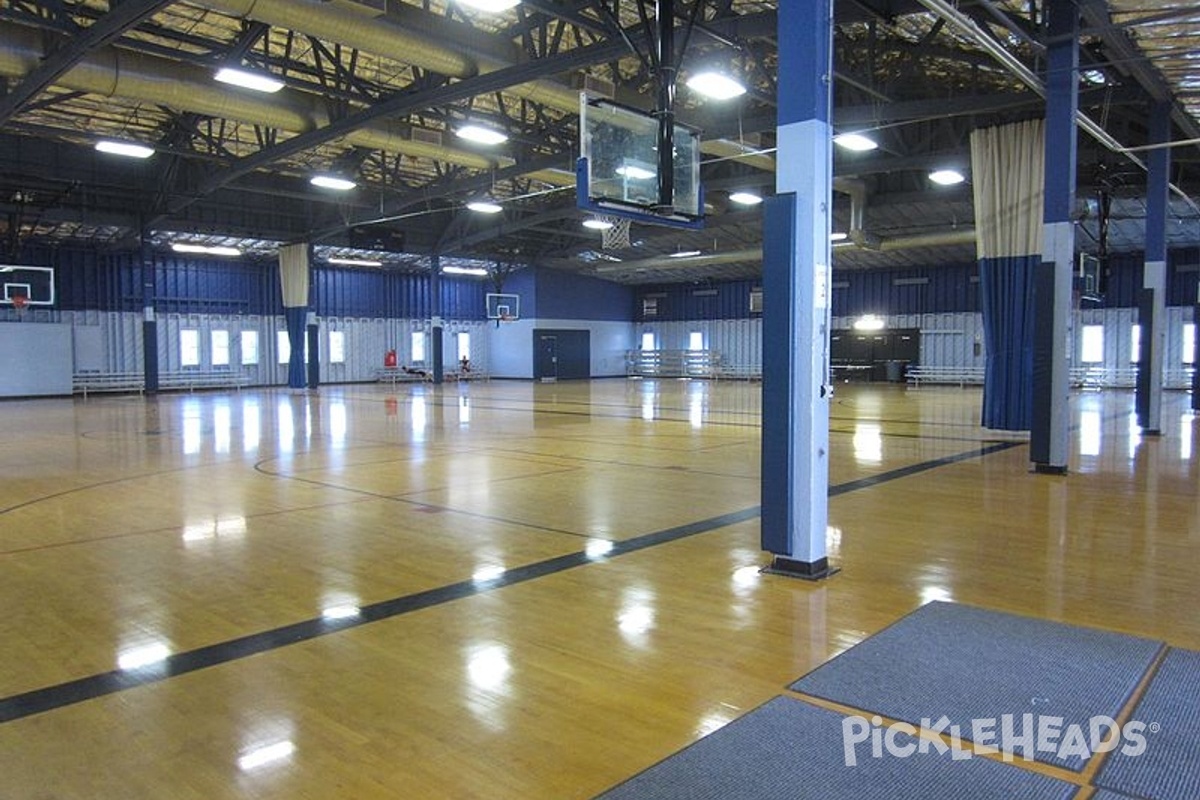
121 18
403 103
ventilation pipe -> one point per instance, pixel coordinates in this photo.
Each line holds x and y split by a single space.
956 236
122 74
369 30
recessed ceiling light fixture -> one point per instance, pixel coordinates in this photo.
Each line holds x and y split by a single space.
745 198
837 236
946 177
856 142
481 135
485 207
249 79
127 149
684 254
332 182
205 249
716 85
597 224
355 262
490 6
452 270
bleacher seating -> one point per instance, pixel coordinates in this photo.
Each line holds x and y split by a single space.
394 375
86 383
672 364
92 382
960 376
202 379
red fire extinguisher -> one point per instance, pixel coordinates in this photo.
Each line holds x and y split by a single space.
389 358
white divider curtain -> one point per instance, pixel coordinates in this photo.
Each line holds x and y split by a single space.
1008 171
293 280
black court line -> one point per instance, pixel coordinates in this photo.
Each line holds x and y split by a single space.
50 698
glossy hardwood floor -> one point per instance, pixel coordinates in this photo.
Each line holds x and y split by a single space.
505 589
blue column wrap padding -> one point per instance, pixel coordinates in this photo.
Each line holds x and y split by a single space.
296 319
1006 295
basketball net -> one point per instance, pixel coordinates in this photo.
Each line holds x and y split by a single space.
19 302
616 236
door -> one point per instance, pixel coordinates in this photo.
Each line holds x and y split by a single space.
545 357
561 354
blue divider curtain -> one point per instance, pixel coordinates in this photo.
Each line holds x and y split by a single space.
293 279
1007 168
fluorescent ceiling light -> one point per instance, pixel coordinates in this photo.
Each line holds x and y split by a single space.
946 177
855 141
837 236
464 271
485 207
332 182
354 262
492 6
210 250
636 173
715 85
597 224
869 322
684 254
258 81
124 149
481 135
745 198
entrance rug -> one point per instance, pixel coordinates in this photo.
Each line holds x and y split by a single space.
789 750
1169 768
977 667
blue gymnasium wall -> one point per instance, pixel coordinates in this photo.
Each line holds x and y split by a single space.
86 280
565 295
949 289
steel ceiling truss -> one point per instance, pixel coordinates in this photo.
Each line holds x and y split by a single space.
895 71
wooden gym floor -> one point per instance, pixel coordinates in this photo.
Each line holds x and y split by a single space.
509 590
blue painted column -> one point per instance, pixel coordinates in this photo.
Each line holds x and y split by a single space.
1154 333
149 320
313 337
796 278
1050 423
435 299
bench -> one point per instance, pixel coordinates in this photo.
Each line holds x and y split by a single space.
394 375
85 382
202 379
738 372
962 376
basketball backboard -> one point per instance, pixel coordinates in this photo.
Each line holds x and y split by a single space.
506 307
35 284
617 173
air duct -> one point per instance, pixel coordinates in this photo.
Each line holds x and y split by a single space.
123 74
955 236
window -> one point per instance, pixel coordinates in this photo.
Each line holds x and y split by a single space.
283 346
418 347
1135 344
249 347
189 347
1189 343
696 340
649 341
464 346
220 348
337 347
1092 350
